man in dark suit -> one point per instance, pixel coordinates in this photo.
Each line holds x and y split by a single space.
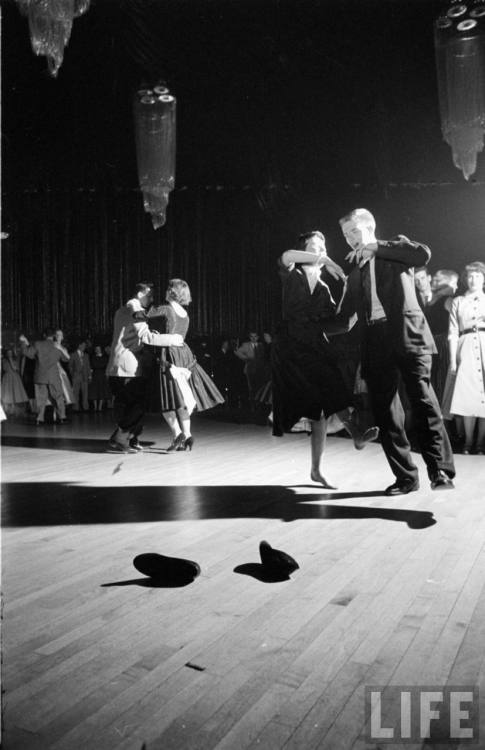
80 369
396 343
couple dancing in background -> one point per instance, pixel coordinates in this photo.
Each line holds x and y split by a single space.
395 343
183 384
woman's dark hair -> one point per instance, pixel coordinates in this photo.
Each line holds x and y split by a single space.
303 238
178 290
144 287
476 265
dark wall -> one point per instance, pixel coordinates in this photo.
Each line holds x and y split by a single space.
289 114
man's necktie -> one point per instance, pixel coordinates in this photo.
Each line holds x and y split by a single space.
366 290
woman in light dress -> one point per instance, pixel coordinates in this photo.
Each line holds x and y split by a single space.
465 386
14 396
65 382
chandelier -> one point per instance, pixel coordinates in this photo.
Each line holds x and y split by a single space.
154 112
460 62
50 24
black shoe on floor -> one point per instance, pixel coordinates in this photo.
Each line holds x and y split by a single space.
115 447
402 488
135 444
440 481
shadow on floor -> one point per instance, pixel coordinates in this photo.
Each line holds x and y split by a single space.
151 583
52 438
53 503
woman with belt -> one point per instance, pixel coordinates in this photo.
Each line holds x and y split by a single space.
184 384
465 386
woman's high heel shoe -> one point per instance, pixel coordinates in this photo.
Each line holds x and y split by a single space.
360 438
177 443
187 444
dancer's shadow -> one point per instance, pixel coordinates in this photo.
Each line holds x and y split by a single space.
331 495
415 519
45 439
54 503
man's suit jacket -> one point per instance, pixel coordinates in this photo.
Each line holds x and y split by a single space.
79 367
394 271
129 336
47 357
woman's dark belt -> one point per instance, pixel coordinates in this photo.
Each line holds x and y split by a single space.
376 321
473 329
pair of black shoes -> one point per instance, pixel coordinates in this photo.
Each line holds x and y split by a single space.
439 481
163 569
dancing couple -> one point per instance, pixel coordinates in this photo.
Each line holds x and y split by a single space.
140 330
395 343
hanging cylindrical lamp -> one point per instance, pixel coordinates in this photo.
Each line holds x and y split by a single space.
50 25
460 63
154 112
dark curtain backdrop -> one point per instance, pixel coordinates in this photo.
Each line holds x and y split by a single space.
72 256
289 114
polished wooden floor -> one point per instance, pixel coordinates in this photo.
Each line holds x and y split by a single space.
390 591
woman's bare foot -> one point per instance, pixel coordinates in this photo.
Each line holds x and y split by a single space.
316 476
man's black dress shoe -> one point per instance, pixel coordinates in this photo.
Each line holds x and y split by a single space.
440 481
115 447
402 488
135 444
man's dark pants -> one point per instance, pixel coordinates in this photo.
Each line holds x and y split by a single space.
129 397
383 369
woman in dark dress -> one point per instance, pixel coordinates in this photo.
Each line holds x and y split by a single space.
98 389
306 379
184 384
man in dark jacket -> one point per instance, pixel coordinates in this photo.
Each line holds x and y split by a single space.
396 343
47 378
